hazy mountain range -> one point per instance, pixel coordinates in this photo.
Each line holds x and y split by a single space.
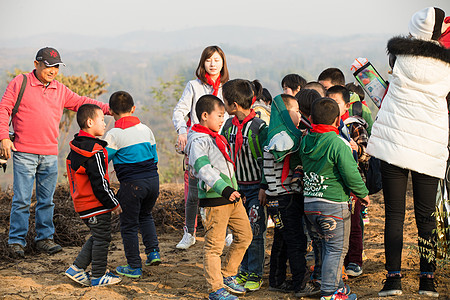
141 57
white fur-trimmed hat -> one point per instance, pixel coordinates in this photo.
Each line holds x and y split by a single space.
426 24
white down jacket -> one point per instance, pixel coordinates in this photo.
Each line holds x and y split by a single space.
411 128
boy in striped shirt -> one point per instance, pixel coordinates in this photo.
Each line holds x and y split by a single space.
284 199
132 148
246 133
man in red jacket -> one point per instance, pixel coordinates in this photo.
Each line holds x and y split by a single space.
35 148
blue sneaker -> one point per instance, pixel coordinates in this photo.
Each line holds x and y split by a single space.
78 275
153 259
107 279
232 286
129 271
221 294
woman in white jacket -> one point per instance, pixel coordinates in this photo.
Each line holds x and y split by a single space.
212 73
410 134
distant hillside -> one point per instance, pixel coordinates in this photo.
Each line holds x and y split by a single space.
134 61
152 41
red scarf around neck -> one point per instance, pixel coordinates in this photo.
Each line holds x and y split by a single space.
345 116
215 84
240 126
221 142
322 128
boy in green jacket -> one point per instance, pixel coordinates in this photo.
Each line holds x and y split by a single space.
330 174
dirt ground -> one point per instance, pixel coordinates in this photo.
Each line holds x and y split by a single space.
180 276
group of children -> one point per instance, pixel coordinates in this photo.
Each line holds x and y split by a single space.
301 168
294 158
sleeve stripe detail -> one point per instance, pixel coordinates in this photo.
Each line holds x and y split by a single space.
99 159
201 162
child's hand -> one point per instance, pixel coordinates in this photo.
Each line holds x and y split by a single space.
235 196
262 197
354 145
365 201
117 211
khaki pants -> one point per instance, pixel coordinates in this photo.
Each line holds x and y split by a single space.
215 221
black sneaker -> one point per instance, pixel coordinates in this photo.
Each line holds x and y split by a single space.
285 287
16 250
310 289
48 245
427 287
392 286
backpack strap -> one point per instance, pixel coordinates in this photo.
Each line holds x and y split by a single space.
226 129
254 135
254 145
19 98
357 108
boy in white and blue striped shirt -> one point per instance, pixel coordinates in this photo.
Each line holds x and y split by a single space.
132 148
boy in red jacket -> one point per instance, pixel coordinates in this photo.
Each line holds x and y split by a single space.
93 199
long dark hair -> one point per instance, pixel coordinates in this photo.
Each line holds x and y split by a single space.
207 53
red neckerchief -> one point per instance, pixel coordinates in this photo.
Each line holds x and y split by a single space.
221 141
125 122
322 128
215 84
253 100
345 116
239 125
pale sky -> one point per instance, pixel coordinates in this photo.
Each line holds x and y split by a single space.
24 18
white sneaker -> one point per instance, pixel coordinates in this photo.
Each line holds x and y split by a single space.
187 240
229 239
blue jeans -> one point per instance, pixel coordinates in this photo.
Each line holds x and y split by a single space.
137 199
253 261
28 167
332 222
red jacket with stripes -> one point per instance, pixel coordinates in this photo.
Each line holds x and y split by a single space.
87 171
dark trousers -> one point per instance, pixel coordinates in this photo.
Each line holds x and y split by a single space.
289 242
317 248
424 194
137 199
95 250
355 247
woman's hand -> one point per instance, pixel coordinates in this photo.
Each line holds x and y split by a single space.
181 142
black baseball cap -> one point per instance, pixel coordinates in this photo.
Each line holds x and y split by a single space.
49 56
